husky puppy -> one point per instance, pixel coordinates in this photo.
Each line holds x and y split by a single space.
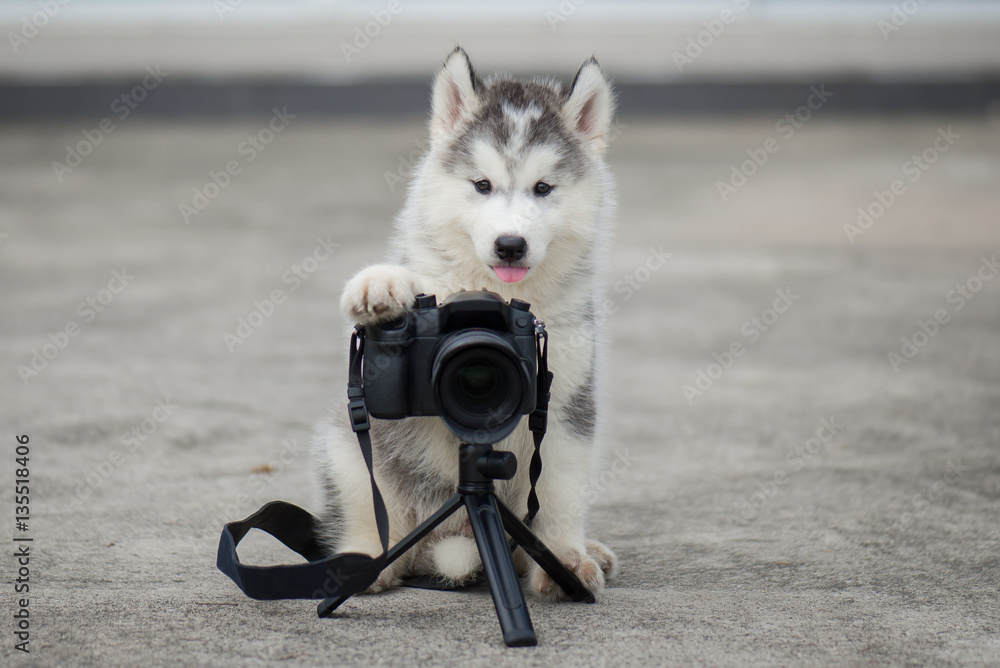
514 196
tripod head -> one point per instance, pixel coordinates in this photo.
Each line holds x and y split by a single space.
480 465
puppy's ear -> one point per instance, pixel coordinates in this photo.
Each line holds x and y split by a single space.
456 94
590 106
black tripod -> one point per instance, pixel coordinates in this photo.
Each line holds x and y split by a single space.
479 466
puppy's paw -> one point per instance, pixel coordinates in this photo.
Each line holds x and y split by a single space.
379 293
386 580
604 557
579 563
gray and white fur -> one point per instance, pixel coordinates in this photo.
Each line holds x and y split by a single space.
454 233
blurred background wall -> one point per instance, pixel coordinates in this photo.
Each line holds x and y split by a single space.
64 57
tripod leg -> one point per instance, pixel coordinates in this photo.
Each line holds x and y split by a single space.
512 611
326 608
562 576
428 525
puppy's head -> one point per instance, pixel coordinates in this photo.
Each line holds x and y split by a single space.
513 172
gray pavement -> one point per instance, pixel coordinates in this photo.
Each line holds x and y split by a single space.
811 506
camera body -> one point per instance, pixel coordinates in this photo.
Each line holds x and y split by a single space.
470 360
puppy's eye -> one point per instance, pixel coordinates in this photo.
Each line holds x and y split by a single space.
542 188
483 186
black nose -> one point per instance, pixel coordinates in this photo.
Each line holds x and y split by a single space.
510 249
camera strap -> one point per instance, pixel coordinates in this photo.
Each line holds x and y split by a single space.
336 576
538 419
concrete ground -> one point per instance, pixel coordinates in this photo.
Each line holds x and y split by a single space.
800 503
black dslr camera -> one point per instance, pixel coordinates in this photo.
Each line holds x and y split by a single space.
471 361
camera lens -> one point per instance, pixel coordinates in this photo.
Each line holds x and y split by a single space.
480 385
479 381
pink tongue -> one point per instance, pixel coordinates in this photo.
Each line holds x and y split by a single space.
510 274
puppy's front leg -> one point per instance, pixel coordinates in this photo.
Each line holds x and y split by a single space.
567 459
